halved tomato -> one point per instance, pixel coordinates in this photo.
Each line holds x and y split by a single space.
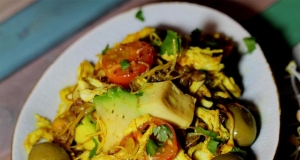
167 151
123 63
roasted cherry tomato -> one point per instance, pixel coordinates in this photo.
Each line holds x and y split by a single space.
168 150
123 63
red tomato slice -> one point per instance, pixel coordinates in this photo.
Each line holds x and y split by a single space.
138 54
169 150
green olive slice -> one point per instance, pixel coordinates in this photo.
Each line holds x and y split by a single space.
47 151
244 125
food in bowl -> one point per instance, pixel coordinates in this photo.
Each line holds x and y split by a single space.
155 95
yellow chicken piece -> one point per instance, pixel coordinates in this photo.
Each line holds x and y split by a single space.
138 35
201 59
43 131
89 87
211 118
86 69
230 85
181 155
65 103
200 151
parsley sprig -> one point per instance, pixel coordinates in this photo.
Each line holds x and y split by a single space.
125 64
94 150
139 15
105 49
162 134
152 147
213 142
250 43
171 44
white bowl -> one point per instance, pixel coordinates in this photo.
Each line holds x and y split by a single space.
257 79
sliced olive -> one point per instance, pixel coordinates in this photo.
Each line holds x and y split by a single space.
244 125
47 151
228 156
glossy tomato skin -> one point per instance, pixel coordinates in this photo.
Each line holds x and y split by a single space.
139 55
170 149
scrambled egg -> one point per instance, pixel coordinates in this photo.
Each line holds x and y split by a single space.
212 119
181 155
200 151
88 86
43 131
202 59
138 35
65 102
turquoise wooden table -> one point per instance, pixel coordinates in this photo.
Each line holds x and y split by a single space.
43 24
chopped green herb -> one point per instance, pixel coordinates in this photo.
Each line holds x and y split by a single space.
212 146
171 44
195 36
206 132
156 42
125 64
151 147
139 93
163 133
213 142
211 43
196 32
94 150
250 43
105 49
139 15
239 151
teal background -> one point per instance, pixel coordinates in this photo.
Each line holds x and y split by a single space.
29 33
284 15
45 23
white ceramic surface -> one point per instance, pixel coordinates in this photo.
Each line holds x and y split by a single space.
260 88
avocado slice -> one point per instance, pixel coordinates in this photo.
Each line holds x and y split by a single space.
117 108
86 127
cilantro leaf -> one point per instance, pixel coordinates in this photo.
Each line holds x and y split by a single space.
151 147
206 132
250 43
171 44
125 64
163 133
94 150
105 49
139 15
212 146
